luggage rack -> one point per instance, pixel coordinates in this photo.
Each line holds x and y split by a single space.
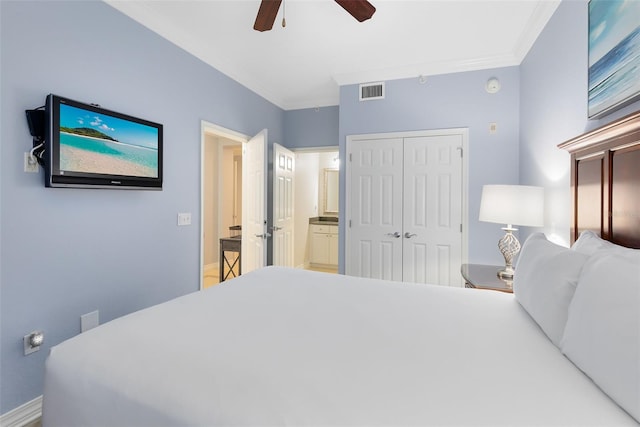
231 267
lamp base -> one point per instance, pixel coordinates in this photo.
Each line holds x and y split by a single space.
506 273
509 247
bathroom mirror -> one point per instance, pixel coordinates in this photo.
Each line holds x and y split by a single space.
331 191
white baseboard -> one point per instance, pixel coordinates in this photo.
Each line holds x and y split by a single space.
23 414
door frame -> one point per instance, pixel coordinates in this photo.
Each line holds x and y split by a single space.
208 128
463 132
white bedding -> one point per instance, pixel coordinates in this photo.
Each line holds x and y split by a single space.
290 347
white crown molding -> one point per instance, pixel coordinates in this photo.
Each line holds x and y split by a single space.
23 414
541 15
430 69
329 100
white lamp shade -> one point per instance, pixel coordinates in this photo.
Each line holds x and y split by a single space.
513 205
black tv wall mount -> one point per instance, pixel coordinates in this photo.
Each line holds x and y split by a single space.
36 122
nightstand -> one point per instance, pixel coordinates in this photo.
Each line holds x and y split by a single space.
482 276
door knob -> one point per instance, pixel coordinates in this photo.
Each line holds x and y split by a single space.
408 235
263 236
396 234
276 228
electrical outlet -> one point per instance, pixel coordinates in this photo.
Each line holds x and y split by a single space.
493 127
32 342
30 163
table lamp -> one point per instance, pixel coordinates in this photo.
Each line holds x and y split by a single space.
511 205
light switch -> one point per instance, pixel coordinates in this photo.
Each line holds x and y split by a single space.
184 218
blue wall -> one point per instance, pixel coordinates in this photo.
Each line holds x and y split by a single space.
66 252
311 127
448 101
554 109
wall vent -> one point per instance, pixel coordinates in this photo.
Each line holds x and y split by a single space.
371 91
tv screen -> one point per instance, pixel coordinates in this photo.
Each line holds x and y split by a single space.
88 146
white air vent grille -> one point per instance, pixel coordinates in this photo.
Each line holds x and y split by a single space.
370 91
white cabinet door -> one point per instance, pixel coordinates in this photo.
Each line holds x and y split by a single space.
319 248
324 245
333 248
404 208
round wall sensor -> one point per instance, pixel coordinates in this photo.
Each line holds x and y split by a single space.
493 85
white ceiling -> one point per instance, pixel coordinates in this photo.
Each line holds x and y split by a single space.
322 46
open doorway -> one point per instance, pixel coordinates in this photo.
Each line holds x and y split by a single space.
221 200
316 209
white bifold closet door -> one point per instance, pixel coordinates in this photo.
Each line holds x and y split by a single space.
405 209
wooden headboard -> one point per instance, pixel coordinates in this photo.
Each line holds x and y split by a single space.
605 181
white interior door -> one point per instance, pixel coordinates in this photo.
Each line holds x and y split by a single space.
405 207
283 206
375 221
254 208
432 214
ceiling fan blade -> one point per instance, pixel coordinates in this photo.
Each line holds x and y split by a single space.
266 15
359 9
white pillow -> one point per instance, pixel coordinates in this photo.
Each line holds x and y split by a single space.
591 244
544 282
602 336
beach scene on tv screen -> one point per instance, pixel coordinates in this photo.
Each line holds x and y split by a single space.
102 144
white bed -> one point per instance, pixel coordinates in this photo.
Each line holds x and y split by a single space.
290 347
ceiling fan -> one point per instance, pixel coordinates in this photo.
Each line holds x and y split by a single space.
359 9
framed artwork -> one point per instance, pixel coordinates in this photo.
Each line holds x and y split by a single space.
614 55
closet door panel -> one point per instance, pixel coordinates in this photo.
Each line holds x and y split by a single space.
432 209
376 209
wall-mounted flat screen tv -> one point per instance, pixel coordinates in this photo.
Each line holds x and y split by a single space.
87 146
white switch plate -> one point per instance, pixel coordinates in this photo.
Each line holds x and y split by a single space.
184 218
29 166
493 127
89 321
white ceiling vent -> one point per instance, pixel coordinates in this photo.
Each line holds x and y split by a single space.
370 91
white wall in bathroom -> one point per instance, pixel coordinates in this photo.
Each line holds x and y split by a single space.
306 203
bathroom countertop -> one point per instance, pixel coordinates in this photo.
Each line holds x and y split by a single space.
324 220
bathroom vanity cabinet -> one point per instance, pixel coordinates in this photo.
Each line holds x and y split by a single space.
324 244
